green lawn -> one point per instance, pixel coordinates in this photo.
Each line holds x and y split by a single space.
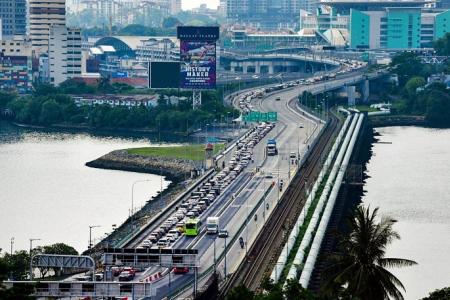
190 152
364 108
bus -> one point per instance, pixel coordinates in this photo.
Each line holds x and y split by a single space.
192 227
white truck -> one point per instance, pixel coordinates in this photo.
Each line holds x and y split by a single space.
212 225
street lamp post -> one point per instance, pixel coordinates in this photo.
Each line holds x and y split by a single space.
31 257
215 262
225 251
90 235
132 200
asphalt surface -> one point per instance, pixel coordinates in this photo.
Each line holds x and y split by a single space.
244 216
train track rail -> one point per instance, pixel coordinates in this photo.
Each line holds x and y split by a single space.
263 254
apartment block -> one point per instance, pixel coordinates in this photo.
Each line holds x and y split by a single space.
13 15
43 15
64 52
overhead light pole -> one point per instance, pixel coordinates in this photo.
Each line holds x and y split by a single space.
31 257
90 235
132 200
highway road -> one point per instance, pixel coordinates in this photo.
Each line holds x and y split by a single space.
240 213
244 216
248 201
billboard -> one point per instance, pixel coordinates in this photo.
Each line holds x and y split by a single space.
164 75
198 64
198 56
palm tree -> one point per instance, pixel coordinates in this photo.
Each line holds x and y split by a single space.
359 271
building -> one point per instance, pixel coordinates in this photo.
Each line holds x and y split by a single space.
378 24
17 45
44 14
16 64
13 15
264 14
397 28
64 54
158 50
175 7
263 41
117 100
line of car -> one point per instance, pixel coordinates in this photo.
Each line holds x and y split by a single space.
173 228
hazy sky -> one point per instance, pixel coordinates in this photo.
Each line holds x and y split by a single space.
188 4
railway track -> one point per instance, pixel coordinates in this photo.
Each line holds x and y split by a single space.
263 254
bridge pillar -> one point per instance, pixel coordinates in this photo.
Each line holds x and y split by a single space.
257 67
271 68
351 90
365 91
245 65
233 66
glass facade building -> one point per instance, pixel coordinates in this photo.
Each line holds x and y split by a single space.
13 15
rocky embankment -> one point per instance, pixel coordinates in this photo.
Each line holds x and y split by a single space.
174 169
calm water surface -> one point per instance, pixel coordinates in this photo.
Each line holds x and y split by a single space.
47 192
410 181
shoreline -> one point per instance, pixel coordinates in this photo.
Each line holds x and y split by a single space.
107 130
176 170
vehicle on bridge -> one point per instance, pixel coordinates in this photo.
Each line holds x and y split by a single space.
192 227
212 225
271 148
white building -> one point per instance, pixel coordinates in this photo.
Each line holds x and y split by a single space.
64 54
117 100
44 14
17 45
157 50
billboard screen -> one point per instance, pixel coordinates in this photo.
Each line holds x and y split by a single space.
198 64
164 75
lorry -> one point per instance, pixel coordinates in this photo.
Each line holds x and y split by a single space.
212 225
271 148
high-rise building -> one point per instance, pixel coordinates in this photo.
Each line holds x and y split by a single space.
15 64
43 15
13 14
64 53
175 7
397 28
264 14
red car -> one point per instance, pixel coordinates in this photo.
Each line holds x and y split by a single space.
130 269
183 270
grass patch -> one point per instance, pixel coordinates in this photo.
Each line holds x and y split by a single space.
190 152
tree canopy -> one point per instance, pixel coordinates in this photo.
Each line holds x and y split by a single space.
359 269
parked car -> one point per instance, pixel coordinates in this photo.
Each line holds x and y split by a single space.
180 270
126 276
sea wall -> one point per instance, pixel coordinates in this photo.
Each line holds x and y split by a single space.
174 169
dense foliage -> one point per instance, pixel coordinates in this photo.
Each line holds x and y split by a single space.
292 291
442 294
15 266
138 29
359 269
416 96
49 105
442 45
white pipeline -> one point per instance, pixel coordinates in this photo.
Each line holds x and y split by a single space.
282 259
315 247
309 233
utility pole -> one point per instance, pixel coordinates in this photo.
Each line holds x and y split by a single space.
132 200
90 235
12 243
31 257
